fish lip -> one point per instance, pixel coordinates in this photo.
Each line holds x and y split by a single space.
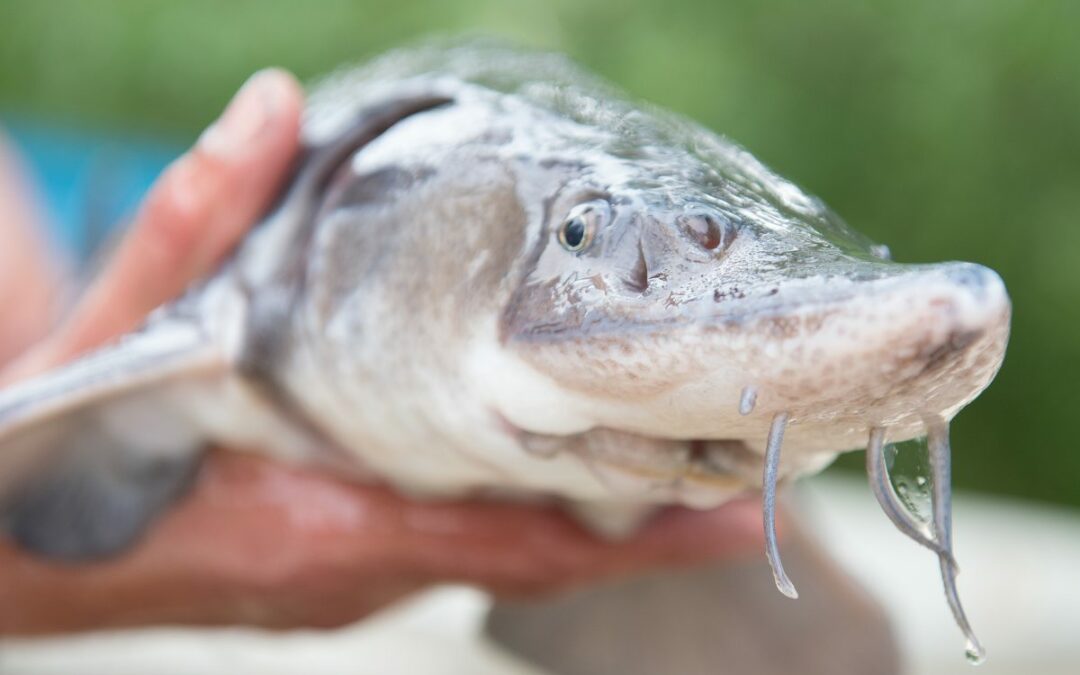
697 483
655 460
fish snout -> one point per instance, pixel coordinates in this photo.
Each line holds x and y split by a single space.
923 342
966 309
967 319
978 295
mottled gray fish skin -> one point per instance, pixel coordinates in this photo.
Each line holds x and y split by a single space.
492 273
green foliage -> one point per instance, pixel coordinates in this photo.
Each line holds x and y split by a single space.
945 129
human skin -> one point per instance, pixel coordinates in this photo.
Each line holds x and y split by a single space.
256 542
29 279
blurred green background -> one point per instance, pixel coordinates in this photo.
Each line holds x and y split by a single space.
948 130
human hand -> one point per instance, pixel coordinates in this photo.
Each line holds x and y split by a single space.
29 279
265 544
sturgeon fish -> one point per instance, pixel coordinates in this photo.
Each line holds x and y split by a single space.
491 274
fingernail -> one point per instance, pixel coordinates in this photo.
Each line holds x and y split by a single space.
249 112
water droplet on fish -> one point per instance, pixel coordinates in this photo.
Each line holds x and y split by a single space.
747 400
909 472
974 653
878 455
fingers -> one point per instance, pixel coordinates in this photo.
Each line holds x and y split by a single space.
295 548
195 213
529 551
306 522
330 551
29 276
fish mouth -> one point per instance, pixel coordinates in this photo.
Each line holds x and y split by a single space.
699 472
721 464
724 464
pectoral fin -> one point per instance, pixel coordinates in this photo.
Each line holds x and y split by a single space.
93 452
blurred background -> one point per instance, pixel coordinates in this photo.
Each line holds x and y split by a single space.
947 130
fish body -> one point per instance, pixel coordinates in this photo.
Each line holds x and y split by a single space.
491 274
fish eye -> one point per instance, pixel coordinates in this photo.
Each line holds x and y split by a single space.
575 234
580 226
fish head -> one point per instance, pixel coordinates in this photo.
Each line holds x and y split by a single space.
680 296
649 295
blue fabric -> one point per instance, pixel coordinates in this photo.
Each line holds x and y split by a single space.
90 182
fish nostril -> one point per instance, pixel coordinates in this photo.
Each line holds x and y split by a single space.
709 231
